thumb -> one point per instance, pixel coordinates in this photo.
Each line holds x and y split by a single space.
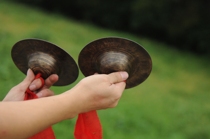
28 79
117 77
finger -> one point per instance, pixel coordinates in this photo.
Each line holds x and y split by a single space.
45 93
117 91
36 84
118 87
28 79
51 80
117 77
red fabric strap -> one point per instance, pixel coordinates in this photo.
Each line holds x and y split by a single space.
30 94
88 126
47 133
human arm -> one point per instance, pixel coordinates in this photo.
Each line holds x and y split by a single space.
22 119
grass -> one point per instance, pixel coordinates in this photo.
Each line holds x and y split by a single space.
173 103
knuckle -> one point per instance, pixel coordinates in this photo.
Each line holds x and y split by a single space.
114 105
104 78
48 92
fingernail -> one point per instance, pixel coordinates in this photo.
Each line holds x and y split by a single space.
28 71
124 75
32 87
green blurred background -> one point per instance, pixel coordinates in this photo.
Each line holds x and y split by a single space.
173 103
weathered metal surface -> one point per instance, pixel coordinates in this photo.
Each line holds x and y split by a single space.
45 58
112 54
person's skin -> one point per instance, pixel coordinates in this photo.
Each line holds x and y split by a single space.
17 93
22 119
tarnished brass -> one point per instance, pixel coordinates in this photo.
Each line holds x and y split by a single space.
45 58
107 55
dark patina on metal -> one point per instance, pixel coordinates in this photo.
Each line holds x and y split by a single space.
107 55
45 58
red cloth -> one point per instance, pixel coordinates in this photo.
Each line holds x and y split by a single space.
47 133
88 126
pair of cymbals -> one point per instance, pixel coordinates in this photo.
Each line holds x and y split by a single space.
101 56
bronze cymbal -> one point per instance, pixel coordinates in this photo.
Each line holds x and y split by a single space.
45 58
112 54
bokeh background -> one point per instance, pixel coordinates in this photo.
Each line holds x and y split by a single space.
173 103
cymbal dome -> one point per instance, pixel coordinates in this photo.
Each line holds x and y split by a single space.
107 55
45 58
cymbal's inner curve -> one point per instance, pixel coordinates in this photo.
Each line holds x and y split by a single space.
42 63
113 61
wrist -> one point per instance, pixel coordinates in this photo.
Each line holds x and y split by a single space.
78 98
69 105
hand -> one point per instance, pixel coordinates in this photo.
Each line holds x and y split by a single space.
17 93
100 91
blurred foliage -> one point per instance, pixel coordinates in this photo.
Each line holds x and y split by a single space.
186 24
173 103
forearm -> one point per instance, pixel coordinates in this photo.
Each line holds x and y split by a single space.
22 119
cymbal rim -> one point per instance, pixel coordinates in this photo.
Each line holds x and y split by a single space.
23 48
93 49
